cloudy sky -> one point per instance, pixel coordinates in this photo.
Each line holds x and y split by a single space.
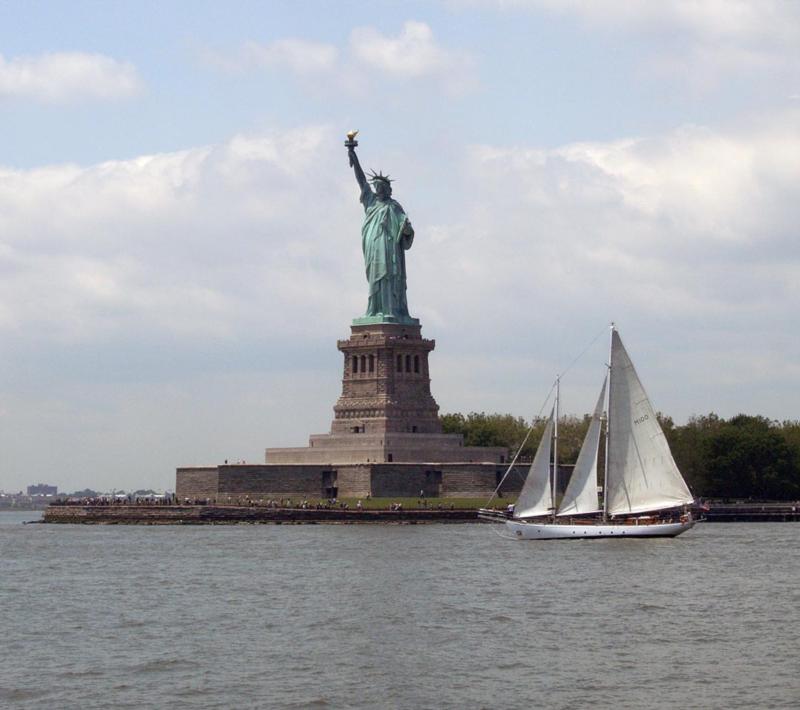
180 230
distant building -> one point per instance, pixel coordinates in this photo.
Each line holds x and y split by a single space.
42 489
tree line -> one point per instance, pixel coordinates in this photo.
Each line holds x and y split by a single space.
744 457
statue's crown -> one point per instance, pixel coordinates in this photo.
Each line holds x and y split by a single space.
374 177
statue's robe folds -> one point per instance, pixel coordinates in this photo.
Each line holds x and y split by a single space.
384 246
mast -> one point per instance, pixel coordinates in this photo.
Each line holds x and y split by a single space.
608 426
555 446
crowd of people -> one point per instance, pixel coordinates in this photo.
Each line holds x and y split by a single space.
276 503
109 500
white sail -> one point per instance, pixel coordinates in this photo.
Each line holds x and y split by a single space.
536 497
642 474
581 494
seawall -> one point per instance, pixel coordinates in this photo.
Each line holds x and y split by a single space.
229 515
753 512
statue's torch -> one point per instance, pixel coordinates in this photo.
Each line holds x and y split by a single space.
351 143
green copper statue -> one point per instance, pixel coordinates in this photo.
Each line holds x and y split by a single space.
385 236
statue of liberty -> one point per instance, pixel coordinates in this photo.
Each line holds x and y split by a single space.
385 236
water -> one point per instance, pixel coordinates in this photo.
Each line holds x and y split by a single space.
395 617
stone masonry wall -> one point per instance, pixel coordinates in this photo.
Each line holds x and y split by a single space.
478 480
257 480
353 481
383 480
405 481
196 482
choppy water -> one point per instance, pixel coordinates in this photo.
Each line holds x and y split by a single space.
395 616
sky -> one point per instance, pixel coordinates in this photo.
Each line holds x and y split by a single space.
180 229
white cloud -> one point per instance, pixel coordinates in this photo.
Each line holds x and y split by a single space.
64 76
293 54
694 203
712 19
699 41
413 53
193 242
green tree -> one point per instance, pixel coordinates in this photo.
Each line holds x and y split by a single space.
743 457
790 430
749 457
690 448
481 429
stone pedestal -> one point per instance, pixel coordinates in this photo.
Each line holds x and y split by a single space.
386 412
386 386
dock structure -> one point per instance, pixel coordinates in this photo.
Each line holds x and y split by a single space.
753 512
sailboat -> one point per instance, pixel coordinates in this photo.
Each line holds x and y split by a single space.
644 494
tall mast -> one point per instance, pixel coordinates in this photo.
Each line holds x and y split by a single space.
555 447
608 427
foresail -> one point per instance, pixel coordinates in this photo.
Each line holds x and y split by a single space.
642 474
536 497
580 497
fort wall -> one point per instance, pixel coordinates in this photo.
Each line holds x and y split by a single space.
228 483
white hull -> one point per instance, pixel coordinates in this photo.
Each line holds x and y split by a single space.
522 530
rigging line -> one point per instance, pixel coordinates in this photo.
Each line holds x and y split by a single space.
524 441
538 416
584 351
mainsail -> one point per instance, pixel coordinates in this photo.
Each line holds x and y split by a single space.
581 494
536 497
642 474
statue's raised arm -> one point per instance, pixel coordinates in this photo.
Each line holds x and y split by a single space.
351 144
